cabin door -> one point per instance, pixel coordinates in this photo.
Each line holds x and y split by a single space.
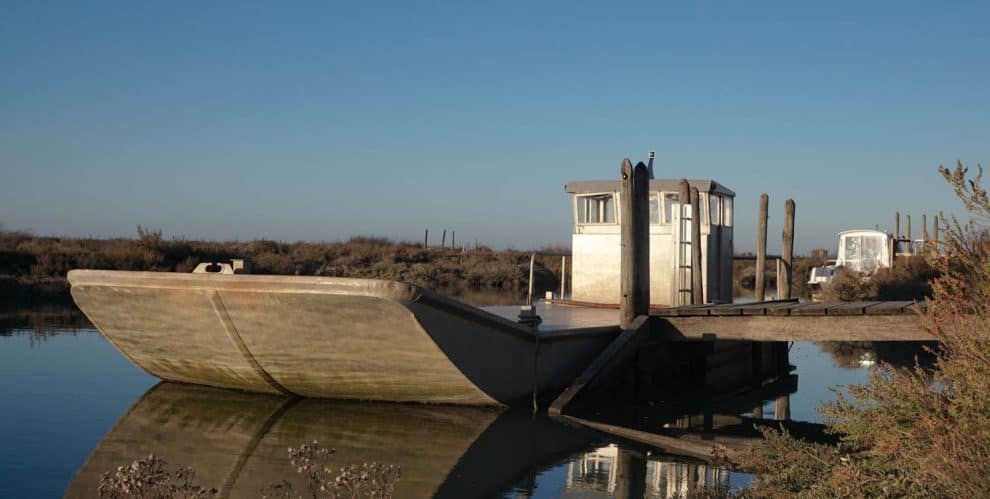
681 254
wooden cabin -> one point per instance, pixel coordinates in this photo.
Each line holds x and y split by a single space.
596 242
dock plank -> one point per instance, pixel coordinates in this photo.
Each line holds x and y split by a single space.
852 308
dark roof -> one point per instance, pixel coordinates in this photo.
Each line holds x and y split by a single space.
657 184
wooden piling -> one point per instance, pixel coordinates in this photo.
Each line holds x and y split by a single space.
443 240
761 248
924 229
563 275
782 408
909 229
785 281
697 286
897 238
634 219
426 240
935 234
453 239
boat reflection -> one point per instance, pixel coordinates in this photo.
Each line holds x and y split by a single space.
238 442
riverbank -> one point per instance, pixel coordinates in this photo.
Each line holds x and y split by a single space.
33 268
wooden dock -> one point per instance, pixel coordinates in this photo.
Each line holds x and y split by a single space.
790 320
786 320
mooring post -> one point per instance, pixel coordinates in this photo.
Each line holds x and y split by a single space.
426 240
697 286
897 237
785 281
782 408
634 282
935 230
563 275
761 248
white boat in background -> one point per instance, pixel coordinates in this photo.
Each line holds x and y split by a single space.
863 250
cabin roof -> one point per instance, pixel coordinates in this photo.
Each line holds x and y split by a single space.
864 232
657 184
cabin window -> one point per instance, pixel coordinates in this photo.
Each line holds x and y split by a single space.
596 209
670 199
726 211
654 208
714 210
863 253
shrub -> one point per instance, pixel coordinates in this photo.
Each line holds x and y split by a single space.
909 432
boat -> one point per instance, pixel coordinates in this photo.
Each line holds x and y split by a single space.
861 250
372 339
328 337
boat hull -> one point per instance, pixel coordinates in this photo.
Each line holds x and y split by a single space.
325 337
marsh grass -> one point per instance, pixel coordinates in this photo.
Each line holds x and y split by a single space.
34 267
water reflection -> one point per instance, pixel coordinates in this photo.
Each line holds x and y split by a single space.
61 398
237 442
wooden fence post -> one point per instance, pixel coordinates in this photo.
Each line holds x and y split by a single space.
761 248
634 284
697 286
785 281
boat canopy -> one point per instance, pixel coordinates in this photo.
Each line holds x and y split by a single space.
864 251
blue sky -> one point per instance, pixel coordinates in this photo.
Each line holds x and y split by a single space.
322 120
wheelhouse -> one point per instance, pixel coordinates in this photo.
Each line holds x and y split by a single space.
596 241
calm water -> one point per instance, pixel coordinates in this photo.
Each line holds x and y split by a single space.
71 407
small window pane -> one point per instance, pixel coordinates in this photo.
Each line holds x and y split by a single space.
727 211
669 200
713 209
654 208
596 209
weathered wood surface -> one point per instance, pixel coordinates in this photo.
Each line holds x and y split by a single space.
634 279
328 337
761 248
792 321
697 284
786 252
779 320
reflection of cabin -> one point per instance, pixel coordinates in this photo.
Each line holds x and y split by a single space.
601 472
596 241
